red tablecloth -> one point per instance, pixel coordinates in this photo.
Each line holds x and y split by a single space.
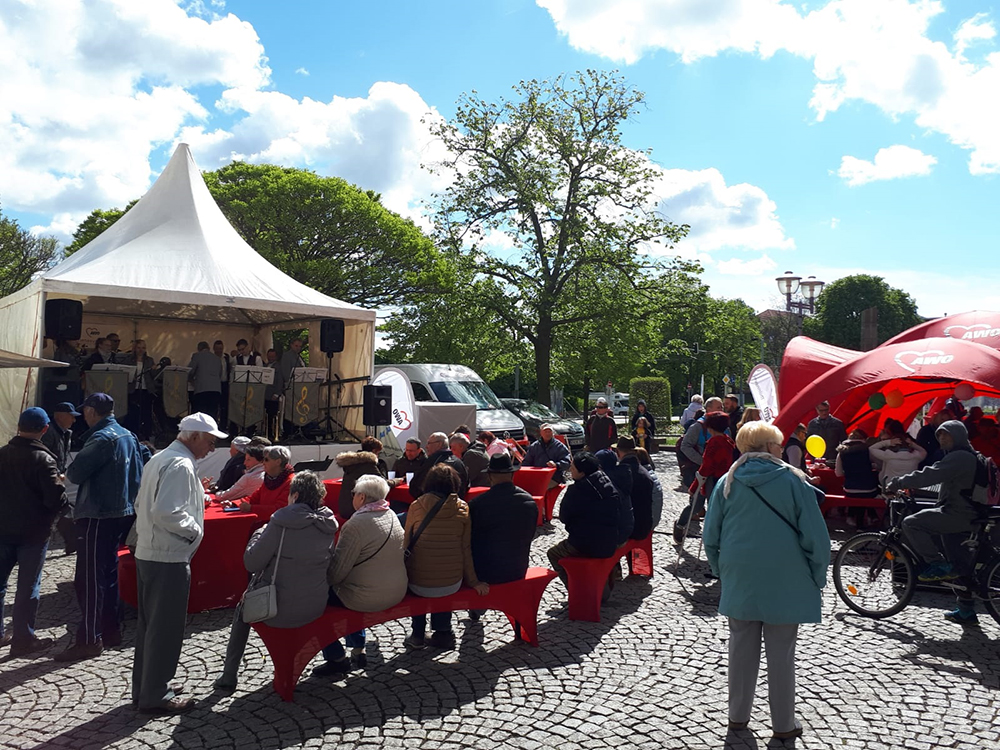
218 578
829 482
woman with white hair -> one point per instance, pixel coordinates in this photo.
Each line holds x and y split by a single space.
303 533
367 572
767 541
273 491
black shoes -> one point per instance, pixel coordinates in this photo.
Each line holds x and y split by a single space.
19 650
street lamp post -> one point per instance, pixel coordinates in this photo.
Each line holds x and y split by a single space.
789 284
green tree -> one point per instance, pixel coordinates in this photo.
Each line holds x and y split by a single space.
840 304
548 170
322 231
94 225
22 255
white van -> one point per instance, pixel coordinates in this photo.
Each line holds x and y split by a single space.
617 401
461 385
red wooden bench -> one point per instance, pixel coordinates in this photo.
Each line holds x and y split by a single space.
535 481
292 649
846 501
586 576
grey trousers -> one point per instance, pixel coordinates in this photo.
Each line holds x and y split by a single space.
163 597
744 663
922 527
239 634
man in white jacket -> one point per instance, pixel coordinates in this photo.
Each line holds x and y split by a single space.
170 515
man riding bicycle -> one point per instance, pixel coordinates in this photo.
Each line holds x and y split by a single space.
953 514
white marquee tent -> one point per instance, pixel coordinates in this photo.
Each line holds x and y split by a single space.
173 271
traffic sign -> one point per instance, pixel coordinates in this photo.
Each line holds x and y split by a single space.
726 379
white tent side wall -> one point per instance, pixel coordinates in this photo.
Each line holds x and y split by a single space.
21 332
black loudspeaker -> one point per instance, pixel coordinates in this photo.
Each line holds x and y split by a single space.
63 319
378 405
331 335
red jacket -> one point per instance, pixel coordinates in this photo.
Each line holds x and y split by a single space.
718 457
264 502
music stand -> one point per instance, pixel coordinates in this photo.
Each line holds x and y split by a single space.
251 375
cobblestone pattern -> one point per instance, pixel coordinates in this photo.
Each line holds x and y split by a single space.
651 675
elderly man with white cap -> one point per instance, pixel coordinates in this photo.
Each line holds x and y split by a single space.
547 451
170 513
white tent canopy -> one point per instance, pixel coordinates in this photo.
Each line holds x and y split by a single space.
173 271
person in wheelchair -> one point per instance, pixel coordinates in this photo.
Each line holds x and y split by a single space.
953 513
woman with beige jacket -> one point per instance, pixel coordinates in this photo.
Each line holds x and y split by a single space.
440 558
366 573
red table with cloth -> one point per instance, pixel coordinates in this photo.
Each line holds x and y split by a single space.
829 482
218 578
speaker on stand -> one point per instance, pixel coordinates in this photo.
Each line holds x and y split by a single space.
63 319
331 341
377 405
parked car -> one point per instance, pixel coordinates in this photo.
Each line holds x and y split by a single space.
534 415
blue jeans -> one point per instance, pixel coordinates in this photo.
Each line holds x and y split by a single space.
335 651
29 558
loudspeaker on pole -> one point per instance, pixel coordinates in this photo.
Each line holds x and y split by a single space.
331 335
377 405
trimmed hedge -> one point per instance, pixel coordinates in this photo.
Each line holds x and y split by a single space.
654 391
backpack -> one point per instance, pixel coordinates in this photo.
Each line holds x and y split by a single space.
986 486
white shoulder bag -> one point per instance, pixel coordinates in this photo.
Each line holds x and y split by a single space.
261 602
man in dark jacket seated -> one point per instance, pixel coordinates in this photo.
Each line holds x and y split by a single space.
547 451
438 452
503 526
411 462
589 511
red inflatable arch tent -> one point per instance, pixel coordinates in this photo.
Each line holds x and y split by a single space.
908 373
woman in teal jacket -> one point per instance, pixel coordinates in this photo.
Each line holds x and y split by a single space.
767 541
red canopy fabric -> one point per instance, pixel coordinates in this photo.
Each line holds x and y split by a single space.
803 362
977 326
920 370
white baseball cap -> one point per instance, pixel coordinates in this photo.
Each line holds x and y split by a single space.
199 422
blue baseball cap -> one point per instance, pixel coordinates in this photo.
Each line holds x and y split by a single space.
33 419
65 408
102 403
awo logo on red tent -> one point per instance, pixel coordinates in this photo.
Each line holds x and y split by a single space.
974 332
910 360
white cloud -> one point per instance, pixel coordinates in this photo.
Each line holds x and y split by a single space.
975 29
874 52
834 222
754 267
302 71
721 216
889 164
377 142
90 89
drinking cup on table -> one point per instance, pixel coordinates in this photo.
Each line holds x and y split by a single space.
392 474
409 477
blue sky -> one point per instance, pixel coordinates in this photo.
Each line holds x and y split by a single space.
829 137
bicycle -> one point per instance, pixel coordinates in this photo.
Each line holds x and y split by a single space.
875 572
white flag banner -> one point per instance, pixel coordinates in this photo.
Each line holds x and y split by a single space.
404 418
764 389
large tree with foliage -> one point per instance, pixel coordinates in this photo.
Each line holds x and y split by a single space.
548 170
840 304
322 231
22 255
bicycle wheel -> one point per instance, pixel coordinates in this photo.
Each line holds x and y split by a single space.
991 589
875 578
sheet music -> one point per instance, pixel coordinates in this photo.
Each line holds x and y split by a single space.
253 374
129 370
309 374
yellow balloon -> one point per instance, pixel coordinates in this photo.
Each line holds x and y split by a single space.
816 446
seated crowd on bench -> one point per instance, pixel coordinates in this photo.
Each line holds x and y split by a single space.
441 544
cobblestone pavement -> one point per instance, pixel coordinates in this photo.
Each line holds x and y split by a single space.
651 675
